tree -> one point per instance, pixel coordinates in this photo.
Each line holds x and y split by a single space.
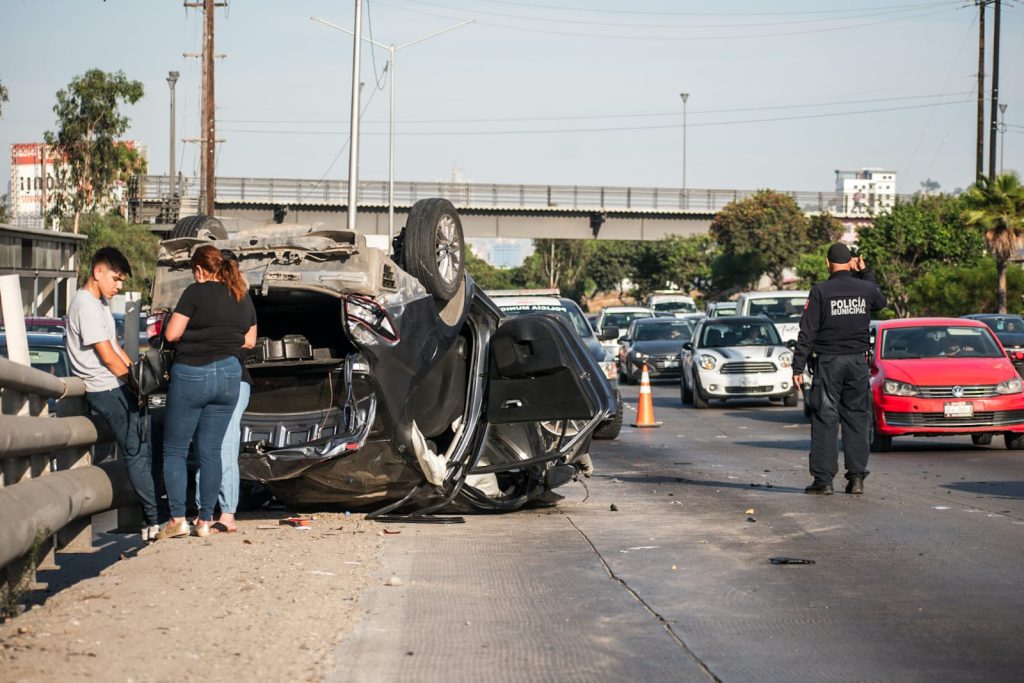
764 233
90 159
136 242
609 263
3 208
556 264
908 242
997 207
3 97
488 276
950 290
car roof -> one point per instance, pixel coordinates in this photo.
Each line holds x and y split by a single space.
986 316
792 293
738 320
39 339
508 301
661 321
625 309
927 322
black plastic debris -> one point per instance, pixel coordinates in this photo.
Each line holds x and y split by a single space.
613 507
789 560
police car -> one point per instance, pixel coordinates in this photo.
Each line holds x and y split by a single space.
782 307
517 302
736 358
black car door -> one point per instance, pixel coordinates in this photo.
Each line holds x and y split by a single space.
540 370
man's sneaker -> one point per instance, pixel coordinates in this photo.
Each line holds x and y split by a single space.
855 483
149 533
820 488
173 530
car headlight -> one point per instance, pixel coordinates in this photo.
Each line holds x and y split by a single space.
1013 385
708 362
640 356
786 359
895 388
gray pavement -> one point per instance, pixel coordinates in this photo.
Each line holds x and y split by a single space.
918 580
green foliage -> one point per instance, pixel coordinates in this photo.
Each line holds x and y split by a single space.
488 276
90 162
683 262
997 208
765 233
950 290
4 217
812 268
609 262
136 242
3 97
915 238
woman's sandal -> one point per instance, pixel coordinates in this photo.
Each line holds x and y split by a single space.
218 528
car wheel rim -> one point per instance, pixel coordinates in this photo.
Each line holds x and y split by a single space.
449 249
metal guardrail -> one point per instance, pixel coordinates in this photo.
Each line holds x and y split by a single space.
49 486
292 191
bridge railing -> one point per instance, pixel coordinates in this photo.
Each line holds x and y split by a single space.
49 487
296 191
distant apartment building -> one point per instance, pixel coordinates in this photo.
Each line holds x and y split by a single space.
867 192
506 255
32 182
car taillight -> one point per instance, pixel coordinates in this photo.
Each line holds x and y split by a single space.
363 312
155 324
1017 355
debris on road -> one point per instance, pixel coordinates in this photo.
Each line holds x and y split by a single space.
749 511
393 581
390 532
789 560
613 507
295 521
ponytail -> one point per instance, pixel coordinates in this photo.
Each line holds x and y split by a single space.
224 267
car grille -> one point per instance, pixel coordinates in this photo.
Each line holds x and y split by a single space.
746 367
995 418
748 390
969 391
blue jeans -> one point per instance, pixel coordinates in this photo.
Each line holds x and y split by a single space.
119 407
229 482
200 401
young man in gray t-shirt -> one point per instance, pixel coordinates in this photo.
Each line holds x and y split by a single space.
97 357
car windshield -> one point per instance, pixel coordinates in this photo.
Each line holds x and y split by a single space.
681 330
622 320
779 309
939 341
739 334
723 310
45 358
674 307
574 318
1012 324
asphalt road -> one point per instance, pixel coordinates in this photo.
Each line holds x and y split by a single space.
920 579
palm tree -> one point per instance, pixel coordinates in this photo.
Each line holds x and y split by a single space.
997 207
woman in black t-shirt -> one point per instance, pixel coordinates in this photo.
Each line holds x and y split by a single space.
213 320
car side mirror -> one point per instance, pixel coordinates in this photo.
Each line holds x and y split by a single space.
608 333
791 344
688 345
625 340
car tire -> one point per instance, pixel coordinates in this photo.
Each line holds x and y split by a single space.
981 439
1014 441
199 227
699 401
685 392
879 443
790 400
610 428
433 247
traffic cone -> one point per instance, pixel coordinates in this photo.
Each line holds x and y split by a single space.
645 407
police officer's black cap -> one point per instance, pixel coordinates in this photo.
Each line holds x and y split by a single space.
839 253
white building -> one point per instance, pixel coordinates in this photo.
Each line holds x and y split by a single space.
867 192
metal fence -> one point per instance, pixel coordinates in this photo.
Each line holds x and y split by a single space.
49 486
292 191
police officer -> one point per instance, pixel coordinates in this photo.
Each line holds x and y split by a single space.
834 326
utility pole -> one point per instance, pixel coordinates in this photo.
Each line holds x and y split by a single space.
172 79
979 165
353 145
994 107
1002 138
684 96
208 157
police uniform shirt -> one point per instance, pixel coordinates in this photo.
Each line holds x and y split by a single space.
836 317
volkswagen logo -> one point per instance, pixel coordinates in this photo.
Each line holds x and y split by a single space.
958 392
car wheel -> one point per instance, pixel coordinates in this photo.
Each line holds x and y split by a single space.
199 227
981 439
1014 441
610 428
433 248
698 396
879 443
790 400
685 392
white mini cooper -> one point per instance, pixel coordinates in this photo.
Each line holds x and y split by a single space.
736 357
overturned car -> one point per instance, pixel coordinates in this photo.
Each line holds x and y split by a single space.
390 382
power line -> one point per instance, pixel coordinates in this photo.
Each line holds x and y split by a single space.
612 129
632 11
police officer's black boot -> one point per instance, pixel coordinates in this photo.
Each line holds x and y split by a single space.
820 488
855 482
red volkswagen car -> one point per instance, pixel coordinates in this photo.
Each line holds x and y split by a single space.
943 376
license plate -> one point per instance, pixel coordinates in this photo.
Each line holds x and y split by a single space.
748 382
963 409
670 364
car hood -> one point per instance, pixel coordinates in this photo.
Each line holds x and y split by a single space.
657 347
949 371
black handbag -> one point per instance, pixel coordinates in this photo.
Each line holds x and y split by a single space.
152 373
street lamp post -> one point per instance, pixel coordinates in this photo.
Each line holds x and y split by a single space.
1002 137
392 68
172 79
685 96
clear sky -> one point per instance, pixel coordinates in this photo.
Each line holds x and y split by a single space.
578 92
